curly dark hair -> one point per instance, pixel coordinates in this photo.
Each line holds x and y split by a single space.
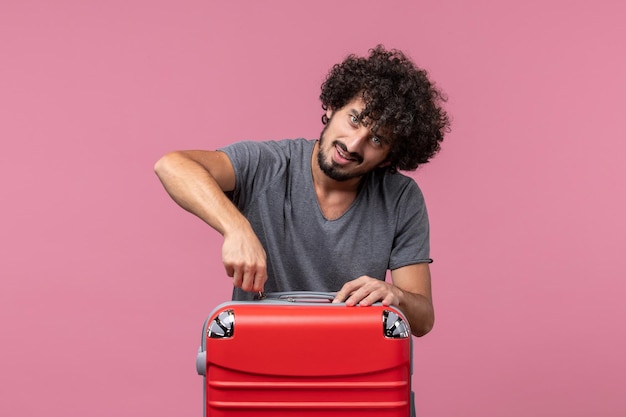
399 99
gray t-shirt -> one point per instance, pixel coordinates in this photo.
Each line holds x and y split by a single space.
386 227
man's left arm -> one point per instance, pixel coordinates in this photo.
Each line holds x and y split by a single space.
410 292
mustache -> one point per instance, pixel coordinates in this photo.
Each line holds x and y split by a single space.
353 155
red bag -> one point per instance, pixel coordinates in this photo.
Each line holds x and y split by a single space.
297 354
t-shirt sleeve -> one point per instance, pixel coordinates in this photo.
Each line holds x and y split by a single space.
256 164
412 238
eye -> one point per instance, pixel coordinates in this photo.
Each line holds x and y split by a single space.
377 141
354 120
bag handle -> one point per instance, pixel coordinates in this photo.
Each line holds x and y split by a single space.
298 296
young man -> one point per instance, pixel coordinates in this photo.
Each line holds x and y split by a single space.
331 214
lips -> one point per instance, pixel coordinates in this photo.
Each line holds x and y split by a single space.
345 155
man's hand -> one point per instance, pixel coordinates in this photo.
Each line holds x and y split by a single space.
366 291
245 261
410 293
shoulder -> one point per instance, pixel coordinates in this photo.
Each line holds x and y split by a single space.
280 149
395 193
395 184
260 163
293 147
282 144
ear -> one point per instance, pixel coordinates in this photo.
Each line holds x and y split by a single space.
329 113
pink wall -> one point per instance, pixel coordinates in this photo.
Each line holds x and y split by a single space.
105 282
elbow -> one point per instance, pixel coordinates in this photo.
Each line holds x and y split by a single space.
424 325
423 329
164 164
158 166
421 314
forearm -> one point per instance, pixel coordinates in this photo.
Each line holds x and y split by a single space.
413 286
419 311
193 188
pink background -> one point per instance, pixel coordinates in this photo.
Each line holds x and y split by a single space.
105 282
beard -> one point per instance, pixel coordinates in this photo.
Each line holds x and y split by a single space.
332 169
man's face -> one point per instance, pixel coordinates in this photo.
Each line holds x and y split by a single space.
348 148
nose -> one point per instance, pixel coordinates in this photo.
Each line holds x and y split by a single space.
357 139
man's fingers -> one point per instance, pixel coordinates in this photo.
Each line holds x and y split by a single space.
247 278
365 291
245 261
389 300
344 292
259 281
237 277
230 271
339 297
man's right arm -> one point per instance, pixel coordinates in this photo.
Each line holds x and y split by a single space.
196 181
